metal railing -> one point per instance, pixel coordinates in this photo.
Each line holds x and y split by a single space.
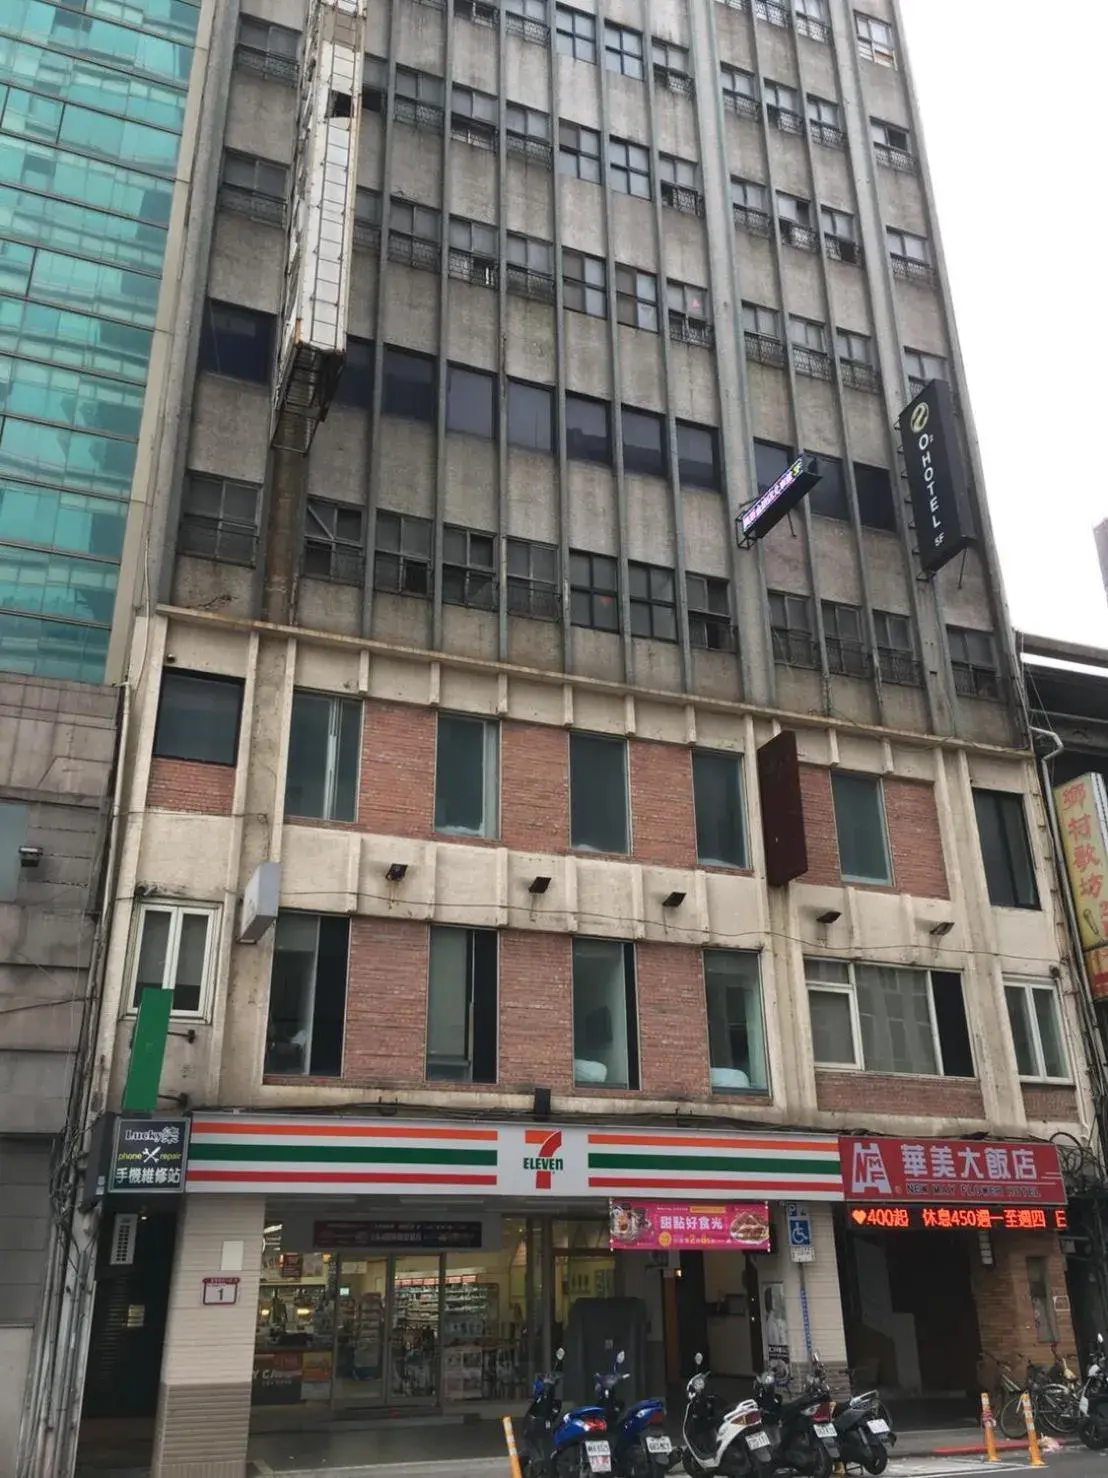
474 132
686 330
794 648
682 198
909 270
899 667
815 30
894 158
841 249
678 82
794 234
466 267
827 134
771 11
784 119
534 31
367 235
857 375
531 151
415 251
426 116
266 64
812 362
252 203
758 222
738 102
763 349
525 283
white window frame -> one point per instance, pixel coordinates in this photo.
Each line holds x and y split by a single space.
331 758
876 39
838 988
1027 988
850 988
490 774
177 912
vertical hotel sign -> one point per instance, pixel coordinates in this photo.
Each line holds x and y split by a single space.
1082 806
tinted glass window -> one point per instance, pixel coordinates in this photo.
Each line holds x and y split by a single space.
598 793
1005 850
860 826
355 386
587 434
409 385
237 342
875 497
717 792
770 460
530 416
644 443
697 455
469 401
828 497
198 717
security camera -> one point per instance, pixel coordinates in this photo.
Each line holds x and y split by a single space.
30 856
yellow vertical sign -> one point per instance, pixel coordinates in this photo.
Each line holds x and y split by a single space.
1082 807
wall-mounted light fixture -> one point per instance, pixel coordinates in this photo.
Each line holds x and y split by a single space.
829 916
944 926
538 884
673 900
396 872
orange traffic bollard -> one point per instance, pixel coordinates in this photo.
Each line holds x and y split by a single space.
513 1455
988 1422
1032 1436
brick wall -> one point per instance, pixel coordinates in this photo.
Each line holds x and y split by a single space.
1056 1105
663 820
190 785
819 826
534 787
914 840
895 1093
673 1030
386 1001
397 791
1002 1294
536 1010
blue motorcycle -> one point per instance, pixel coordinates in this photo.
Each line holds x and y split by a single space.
637 1450
553 1444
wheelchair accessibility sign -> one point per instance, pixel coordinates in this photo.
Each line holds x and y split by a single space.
801 1248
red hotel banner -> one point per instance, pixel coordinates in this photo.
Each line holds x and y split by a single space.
969 1171
672 1225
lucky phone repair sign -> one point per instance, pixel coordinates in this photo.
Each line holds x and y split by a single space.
149 1157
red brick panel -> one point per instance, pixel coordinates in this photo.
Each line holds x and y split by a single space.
189 785
663 823
893 1093
1002 1295
914 839
819 826
534 787
536 1010
397 791
673 1025
386 1002
1047 1102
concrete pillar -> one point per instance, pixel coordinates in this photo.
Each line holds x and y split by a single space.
207 1366
819 1282
1002 1294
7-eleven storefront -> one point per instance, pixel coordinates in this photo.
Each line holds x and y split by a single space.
330 1266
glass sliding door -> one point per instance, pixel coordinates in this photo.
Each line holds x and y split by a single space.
359 1362
414 1344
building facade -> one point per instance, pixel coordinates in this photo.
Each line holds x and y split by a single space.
612 861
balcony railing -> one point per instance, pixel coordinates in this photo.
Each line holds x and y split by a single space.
842 249
428 117
464 266
784 119
815 30
531 151
757 222
526 283
252 203
909 270
813 362
899 667
738 102
414 251
682 198
764 349
794 648
774 13
827 134
794 234
860 376
686 330
895 158
534 31
266 64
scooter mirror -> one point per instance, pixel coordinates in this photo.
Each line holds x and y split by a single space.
698 1359
620 1358
559 1355
1100 1339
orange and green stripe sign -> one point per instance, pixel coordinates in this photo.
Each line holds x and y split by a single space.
766 1166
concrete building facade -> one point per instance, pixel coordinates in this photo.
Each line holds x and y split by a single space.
463 641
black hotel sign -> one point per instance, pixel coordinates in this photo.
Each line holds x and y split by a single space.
936 476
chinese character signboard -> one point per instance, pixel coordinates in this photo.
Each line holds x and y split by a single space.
1082 806
351 1236
958 1218
959 1171
673 1225
149 1156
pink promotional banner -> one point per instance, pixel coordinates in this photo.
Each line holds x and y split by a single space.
670 1226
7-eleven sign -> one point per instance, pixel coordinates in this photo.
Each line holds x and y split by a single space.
545 1159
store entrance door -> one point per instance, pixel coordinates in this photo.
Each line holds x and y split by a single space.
387 1331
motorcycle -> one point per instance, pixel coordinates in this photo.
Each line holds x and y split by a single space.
636 1451
731 1443
801 1432
1092 1404
557 1444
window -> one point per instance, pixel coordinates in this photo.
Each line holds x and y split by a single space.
470 401
892 145
268 49
736 1033
770 460
598 792
748 205
840 235
585 283
588 436
13 835
782 106
875 497
473 117
530 267
367 218
973 660
469 568
418 99
909 254
355 382
794 217
252 186
896 650
1005 849
791 630
828 498
409 388
860 828
811 20
415 234
825 122
842 636
579 152
334 542
236 342
1035 1016
375 84
718 799
672 68
644 441
809 342
219 519
887 1019
593 591
576 34
762 334
856 364
474 252
698 456
527 133
466 775
478 11
740 90
690 317
637 298
533 580
1043 1302
531 15
307 995
462 1006
605 1030
198 717
623 50
530 416
876 40
679 182
324 740
402 554
709 602
174 952
653 601
629 168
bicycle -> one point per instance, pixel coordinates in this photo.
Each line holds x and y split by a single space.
1053 1401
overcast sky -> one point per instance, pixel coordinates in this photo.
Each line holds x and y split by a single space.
1013 113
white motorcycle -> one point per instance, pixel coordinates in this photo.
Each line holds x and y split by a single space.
717 1442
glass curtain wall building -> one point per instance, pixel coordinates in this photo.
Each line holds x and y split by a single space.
92 102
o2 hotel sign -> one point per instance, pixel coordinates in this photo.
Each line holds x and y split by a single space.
936 476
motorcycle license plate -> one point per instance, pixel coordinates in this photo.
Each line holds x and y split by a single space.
599 1455
824 1430
658 1444
1083 1406
757 1439
878 1426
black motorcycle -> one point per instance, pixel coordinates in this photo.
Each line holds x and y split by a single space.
800 1429
1092 1404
